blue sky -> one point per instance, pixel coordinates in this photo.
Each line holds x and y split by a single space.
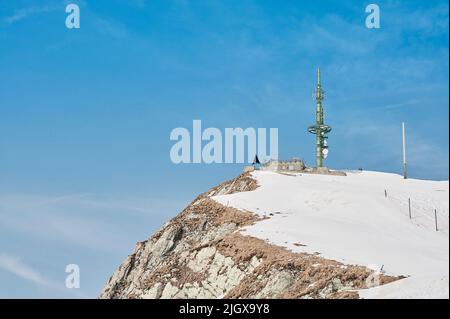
85 115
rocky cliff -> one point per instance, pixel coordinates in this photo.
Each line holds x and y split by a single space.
202 253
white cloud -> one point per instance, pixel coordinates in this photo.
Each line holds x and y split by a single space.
14 265
84 220
77 228
25 13
110 27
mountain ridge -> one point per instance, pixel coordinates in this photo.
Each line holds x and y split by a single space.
204 253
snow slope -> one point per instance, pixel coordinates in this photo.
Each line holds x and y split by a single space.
349 219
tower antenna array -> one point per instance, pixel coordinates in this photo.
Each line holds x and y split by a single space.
320 129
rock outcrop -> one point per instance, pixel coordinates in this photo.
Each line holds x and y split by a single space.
202 254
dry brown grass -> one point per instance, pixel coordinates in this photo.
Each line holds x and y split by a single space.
312 273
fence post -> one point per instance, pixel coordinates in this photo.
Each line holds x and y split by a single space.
409 207
435 219
385 193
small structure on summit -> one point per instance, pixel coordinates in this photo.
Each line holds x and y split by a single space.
293 165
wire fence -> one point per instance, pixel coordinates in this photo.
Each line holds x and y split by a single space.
418 207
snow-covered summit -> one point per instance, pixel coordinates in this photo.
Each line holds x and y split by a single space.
275 235
351 220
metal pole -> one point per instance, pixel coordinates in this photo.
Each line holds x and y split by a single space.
435 219
404 150
409 207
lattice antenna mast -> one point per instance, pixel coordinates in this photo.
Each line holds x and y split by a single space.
320 129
